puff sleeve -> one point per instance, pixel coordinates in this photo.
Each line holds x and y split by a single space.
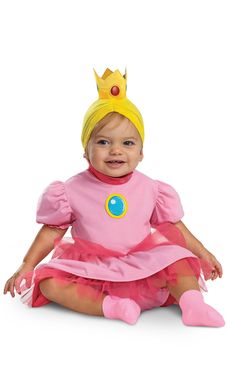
168 207
53 207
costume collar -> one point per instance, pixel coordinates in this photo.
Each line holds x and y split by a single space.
108 179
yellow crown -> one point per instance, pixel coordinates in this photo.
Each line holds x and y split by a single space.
112 98
112 85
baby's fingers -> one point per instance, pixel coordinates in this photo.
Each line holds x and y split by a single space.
214 274
217 271
8 287
11 287
28 279
218 268
17 284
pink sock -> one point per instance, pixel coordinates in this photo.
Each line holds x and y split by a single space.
124 309
195 312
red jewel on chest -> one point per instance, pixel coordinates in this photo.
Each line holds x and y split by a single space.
115 90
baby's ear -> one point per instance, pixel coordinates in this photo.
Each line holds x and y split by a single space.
85 156
141 155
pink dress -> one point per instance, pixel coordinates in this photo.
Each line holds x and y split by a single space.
123 238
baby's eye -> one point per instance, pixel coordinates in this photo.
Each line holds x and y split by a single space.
102 141
130 142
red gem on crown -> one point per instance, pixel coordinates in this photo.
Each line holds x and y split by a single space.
115 90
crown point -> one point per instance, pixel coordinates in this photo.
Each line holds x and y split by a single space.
115 90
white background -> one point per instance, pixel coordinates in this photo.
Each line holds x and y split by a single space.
180 57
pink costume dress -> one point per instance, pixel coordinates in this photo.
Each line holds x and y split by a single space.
113 249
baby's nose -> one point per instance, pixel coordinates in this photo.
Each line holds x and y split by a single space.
115 149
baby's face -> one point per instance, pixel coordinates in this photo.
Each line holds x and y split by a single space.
117 140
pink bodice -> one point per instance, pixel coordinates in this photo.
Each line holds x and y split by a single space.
80 202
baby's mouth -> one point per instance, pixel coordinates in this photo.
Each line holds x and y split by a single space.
115 164
115 161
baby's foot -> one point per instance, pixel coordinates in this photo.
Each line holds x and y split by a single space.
124 309
195 312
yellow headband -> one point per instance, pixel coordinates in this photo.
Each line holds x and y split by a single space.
112 98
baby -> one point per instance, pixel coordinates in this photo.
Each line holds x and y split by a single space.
114 265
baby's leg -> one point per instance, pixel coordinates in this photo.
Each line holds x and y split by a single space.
76 297
84 299
185 282
195 312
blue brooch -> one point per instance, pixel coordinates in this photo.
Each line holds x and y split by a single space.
116 205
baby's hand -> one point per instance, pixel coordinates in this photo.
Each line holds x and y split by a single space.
216 266
17 277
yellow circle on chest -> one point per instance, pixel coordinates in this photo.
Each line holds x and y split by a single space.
116 205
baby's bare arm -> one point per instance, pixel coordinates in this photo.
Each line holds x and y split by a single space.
42 244
193 244
197 248
40 248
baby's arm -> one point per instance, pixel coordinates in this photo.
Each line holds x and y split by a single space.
42 244
197 248
193 244
40 248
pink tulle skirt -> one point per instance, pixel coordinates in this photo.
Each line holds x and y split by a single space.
142 274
